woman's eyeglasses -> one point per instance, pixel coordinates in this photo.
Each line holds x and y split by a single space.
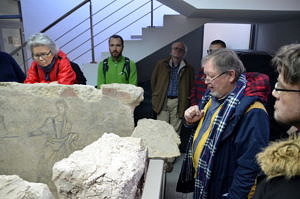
41 55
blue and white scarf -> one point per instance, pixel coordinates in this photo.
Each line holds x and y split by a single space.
206 159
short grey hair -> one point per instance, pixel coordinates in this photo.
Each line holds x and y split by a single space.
287 62
185 47
225 59
41 39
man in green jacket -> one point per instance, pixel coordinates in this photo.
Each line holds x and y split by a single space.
171 83
116 68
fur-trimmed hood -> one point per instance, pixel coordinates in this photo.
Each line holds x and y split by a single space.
281 158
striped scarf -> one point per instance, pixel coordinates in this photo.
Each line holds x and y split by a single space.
206 159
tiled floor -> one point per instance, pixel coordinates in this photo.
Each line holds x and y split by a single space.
171 181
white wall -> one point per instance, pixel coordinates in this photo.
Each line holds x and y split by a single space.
236 36
246 4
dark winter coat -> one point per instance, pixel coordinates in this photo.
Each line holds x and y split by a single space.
10 71
281 164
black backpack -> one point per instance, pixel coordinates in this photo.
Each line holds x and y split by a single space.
80 78
126 66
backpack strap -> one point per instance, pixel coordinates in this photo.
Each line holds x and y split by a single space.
105 68
127 67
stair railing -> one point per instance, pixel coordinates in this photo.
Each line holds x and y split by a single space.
49 27
91 26
116 31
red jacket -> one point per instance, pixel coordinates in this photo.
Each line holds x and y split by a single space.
61 72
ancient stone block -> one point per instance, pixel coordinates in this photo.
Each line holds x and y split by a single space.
13 187
160 138
41 124
111 168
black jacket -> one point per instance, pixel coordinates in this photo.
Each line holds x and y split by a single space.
281 164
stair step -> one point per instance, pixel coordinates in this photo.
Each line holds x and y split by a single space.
135 37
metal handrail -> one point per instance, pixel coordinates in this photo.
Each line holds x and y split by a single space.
52 24
65 15
91 38
106 27
84 21
89 28
119 30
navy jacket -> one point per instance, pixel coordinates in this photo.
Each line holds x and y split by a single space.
235 168
10 71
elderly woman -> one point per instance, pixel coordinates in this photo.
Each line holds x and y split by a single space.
49 64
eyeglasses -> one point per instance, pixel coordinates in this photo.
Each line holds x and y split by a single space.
278 90
42 55
179 49
209 51
210 80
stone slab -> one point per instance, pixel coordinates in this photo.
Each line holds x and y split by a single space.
41 124
13 187
110 168
160 138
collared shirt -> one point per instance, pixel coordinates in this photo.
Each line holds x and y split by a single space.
174 78
173 82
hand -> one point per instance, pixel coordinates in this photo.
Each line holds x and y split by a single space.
54 82
193 114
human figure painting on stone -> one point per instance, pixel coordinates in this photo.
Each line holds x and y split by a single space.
3 130
60 140
4 133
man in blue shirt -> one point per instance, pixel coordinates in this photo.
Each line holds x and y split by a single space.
171 83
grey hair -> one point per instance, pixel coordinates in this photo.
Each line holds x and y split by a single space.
287 61
225 59
185 47
40 39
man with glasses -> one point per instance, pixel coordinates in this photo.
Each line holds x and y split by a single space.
171 83
280 162
232 128
215 45
49 63
199 86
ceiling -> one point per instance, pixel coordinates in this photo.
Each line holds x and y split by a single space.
233 15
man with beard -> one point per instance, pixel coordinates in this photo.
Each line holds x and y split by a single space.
199 87
116 68
233 126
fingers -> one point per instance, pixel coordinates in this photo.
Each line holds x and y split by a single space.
193 114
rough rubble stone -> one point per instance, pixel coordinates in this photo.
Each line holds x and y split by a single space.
160 138
14 187
41 124
110 168
124 93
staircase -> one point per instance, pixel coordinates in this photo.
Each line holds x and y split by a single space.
175 26
152 39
